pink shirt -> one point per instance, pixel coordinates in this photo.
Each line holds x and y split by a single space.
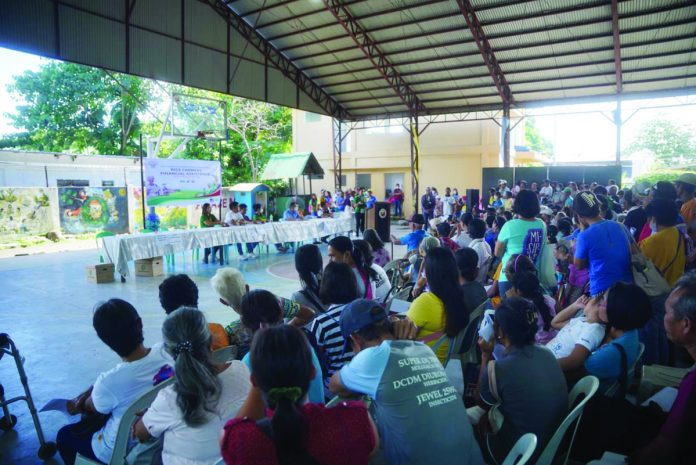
340 435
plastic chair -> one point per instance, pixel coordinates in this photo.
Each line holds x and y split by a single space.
588 387
522 450
123 435
99 249
224 354
614 388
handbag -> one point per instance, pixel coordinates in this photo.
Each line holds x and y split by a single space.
612 423
645 273
495 416
547 267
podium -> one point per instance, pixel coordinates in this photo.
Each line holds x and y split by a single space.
379 219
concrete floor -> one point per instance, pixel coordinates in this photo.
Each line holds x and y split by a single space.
46 306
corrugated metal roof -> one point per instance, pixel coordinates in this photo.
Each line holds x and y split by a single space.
300 53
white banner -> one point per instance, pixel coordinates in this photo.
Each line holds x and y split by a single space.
181 182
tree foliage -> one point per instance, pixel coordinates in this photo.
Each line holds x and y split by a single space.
68 107
71 108
535 140
669 143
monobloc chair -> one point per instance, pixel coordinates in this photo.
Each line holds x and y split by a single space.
522 450
224 354
586 387
123 435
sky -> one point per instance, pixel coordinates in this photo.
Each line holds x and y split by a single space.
586 135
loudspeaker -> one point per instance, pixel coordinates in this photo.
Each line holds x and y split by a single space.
472 199
378 218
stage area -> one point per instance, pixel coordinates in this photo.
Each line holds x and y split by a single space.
47 310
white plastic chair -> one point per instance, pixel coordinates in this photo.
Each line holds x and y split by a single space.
224 354
588 387
124 428
522 450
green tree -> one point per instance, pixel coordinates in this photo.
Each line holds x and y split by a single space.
535 140
69 107
670 143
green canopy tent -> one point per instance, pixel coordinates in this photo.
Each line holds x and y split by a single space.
292 165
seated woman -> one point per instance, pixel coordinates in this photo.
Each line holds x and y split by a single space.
380 254
338 288
119 326
309 266
527 286
260 309
342 250
381 283
526 382
191 412
440 311
230 286
297 433
624 308
517 263
467 264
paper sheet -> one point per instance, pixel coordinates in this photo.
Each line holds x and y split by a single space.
664 398
58 405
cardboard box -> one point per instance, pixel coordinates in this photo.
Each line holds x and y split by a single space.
101 273
149 267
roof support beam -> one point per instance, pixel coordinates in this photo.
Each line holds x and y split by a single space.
486 51
318 95
617 44
375 55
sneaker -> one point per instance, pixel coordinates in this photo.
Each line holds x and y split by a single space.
253 256
245 258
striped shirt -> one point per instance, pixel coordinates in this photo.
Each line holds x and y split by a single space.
326 329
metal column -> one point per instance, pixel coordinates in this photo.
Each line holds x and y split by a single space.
338 136
415 160
618 123
505 134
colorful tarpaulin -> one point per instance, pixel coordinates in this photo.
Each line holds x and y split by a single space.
181 182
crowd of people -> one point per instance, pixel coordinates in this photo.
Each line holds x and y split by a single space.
556 270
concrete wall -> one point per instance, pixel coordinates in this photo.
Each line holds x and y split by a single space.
41 169
452 154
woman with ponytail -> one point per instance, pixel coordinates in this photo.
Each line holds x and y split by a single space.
309 266
297 433
342 250
191 412
527 286
440 311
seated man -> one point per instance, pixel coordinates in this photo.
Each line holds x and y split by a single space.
291 214
230 286
251 245
180 291
419 414
413 239
674 444
119 326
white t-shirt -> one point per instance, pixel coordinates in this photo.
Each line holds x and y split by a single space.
381 286
447 205
546 191
482 249
200 445
115 390
576 332
463 239
233 217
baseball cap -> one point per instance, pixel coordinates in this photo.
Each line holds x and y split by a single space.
545 211
358 315
687 178
417 218
586 204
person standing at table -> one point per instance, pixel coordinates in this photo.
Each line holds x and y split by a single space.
208 220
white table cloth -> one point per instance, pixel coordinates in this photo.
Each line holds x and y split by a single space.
124 248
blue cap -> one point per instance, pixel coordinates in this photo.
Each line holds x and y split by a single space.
358 315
